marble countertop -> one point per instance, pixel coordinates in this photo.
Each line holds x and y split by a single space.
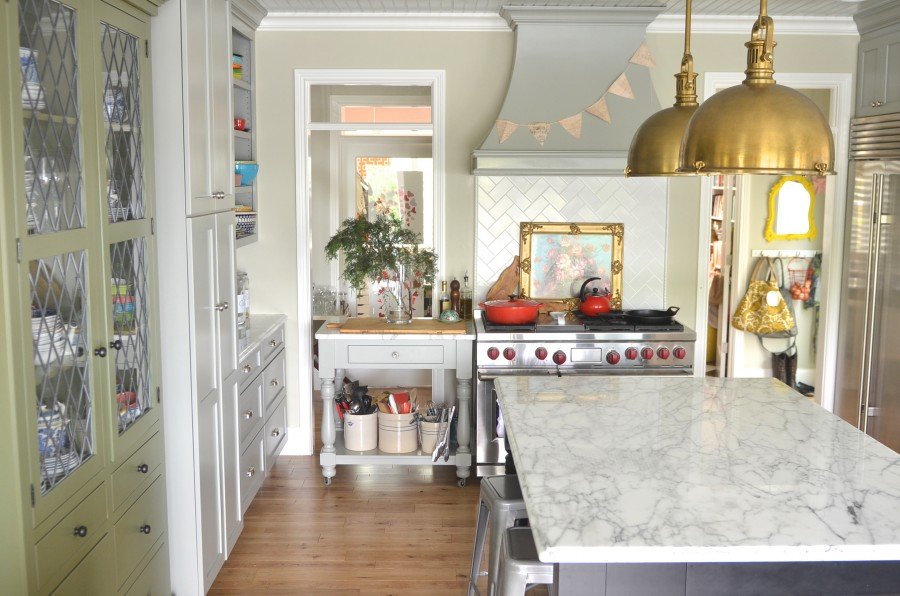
670 469
260 326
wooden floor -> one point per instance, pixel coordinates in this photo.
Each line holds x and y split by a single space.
376 530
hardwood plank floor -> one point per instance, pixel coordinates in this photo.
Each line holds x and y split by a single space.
377 530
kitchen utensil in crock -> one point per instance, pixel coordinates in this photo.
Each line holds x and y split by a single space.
651 316
512 311
594 303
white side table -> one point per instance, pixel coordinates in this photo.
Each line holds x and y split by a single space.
339 351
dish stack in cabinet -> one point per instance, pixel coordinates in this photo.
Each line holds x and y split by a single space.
244 123
197 229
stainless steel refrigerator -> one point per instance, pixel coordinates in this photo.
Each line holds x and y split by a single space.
868 366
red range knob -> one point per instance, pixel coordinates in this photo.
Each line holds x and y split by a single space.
509 353
679 353
493 353
613 358
559 357
631 353
647 353
541 353
663 353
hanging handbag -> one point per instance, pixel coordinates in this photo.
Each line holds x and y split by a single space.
765 310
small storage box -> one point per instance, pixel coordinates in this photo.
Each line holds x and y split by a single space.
360 431
397 433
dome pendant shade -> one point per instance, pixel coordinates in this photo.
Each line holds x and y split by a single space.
758 127
655 148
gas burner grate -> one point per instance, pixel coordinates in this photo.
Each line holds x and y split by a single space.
615 321
488 326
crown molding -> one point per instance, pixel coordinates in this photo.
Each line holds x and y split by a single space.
358 21
785 25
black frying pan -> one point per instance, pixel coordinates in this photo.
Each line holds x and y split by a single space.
651 316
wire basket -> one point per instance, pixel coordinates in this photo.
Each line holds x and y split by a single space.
245 222
799 271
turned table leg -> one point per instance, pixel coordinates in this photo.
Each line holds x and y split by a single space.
327 455
464 428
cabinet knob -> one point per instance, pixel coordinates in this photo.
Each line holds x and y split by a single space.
395 355
222 306
251 471
273 343
247 368
81 531
219 195
116 345
143 468
145 529
274 383
874 103
101 351
275 432
248 414
878 103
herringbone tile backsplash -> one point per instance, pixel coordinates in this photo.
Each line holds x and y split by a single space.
639 203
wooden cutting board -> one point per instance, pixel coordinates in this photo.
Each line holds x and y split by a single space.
373 325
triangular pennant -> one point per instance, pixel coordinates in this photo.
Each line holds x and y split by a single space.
600 110
540 130
643 56
572 124
622 87
505 128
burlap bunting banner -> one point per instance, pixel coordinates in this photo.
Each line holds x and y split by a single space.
573 124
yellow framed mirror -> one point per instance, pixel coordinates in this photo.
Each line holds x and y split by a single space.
792 201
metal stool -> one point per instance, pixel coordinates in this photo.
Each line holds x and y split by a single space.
501 504
519 564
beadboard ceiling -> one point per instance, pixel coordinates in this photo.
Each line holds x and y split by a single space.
819 8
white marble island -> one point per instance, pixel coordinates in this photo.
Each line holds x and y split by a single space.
687 472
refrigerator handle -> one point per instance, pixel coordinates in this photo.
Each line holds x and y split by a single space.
871 292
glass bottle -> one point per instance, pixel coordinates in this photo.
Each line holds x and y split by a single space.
465 302
445 299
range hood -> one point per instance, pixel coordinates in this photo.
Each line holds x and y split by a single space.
569 58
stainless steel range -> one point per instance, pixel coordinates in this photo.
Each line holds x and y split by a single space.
609 345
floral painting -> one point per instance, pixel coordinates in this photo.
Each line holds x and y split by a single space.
556 257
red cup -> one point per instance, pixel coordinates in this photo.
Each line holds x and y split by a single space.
240 124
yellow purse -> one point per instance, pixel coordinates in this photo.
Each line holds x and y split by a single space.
764 310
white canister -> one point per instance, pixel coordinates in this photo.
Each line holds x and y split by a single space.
430 437
397 433
360 431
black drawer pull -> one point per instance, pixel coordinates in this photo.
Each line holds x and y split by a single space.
143 468
81 531
145 529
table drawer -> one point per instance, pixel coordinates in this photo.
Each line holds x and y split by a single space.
273 378
137 470
92 575
271 343
154 579
394 354
72 537
248 368
139 529
250 412
275 432
252 470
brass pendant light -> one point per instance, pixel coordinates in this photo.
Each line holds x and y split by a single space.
656 146
758 127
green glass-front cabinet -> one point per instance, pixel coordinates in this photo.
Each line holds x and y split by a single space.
82 431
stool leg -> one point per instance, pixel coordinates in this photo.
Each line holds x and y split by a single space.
478 548
509 581
500 520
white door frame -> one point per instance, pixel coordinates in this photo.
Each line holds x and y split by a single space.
301 438
841 87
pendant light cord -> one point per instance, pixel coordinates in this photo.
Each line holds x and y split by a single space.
686 79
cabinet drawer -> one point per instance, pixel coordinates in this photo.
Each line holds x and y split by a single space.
249 368
275 433
154 579
271 343
64 544
137 470
252 470
250 412
273 378
92 575
392 354
139 528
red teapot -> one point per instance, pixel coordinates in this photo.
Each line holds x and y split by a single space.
595 303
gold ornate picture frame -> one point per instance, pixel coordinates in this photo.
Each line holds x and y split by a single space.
554 257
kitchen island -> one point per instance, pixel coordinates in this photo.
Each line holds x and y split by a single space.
711 486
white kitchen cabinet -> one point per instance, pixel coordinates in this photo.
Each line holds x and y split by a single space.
210 467
878 67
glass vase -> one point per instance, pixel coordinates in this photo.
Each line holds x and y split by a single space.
396 294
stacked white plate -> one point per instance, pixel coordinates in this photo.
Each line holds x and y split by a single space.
30 216
49 335
33 96
57 465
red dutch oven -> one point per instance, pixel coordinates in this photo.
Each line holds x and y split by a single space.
512 311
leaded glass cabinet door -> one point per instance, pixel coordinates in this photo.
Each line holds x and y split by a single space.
131 310
59 254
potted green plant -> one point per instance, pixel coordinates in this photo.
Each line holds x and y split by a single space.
383 251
